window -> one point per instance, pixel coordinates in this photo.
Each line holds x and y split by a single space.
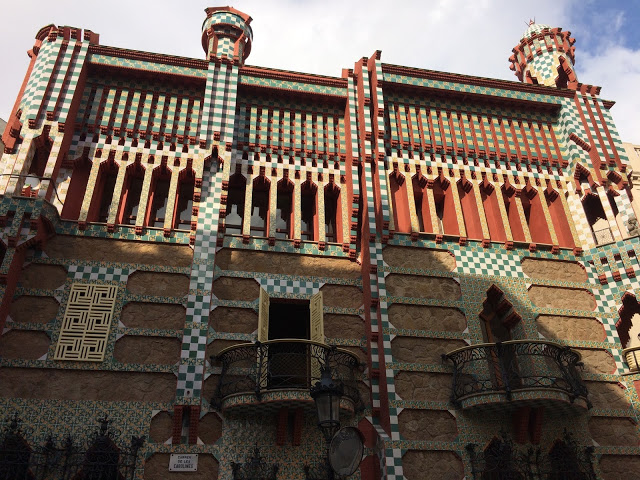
284 209
103 192
307 214
184 203
307 322
159 196
131 195
260 207
39 161
331 210
235 205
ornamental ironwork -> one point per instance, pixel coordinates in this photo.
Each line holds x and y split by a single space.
504 460
99 459
259 367
516 365
255 468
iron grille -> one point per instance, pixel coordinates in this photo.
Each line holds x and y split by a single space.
284 364
519 364
504 460
101 459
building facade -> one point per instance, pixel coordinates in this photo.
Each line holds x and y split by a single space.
188 244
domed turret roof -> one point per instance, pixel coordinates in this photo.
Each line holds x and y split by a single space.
533 29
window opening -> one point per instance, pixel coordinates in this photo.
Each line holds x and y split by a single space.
307 214
185 204
132 205
330 214
259 212
159 204
235 211
108 187
283 214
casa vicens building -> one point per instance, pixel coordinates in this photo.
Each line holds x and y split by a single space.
203 260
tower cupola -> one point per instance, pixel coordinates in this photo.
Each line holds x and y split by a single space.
226 34
544 56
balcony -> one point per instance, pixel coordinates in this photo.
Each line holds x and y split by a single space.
517 372
281 372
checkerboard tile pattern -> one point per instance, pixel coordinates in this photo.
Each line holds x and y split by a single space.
286 286
488 262
104 274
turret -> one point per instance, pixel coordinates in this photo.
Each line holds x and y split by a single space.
545 56
226 34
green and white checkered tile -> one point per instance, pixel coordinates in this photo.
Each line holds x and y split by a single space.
105 274
189 381
194 343
472 262
198 307
280 286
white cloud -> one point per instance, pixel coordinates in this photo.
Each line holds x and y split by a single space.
460 36
617 70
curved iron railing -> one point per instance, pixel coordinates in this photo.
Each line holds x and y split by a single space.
284 364
516 365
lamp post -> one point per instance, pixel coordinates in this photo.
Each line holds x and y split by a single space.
326 394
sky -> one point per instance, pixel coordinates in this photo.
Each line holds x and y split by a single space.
472 37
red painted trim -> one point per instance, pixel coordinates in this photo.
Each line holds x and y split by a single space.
593 155
534 137
543 134
515 140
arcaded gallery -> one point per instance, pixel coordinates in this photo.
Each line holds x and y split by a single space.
216 270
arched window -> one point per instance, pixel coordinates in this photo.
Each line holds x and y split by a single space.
184 202
308 224
159 196
235 205
259 221
332 223
284 209
597 218
39 161
103 192
131 191
77 188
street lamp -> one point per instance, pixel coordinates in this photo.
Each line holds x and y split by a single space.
326 394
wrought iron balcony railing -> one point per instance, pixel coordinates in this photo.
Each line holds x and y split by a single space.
508 367
287 364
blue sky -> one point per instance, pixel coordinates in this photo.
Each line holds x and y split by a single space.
473 37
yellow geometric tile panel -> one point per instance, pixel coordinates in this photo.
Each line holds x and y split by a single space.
86 323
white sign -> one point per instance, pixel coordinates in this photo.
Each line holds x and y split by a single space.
183 462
